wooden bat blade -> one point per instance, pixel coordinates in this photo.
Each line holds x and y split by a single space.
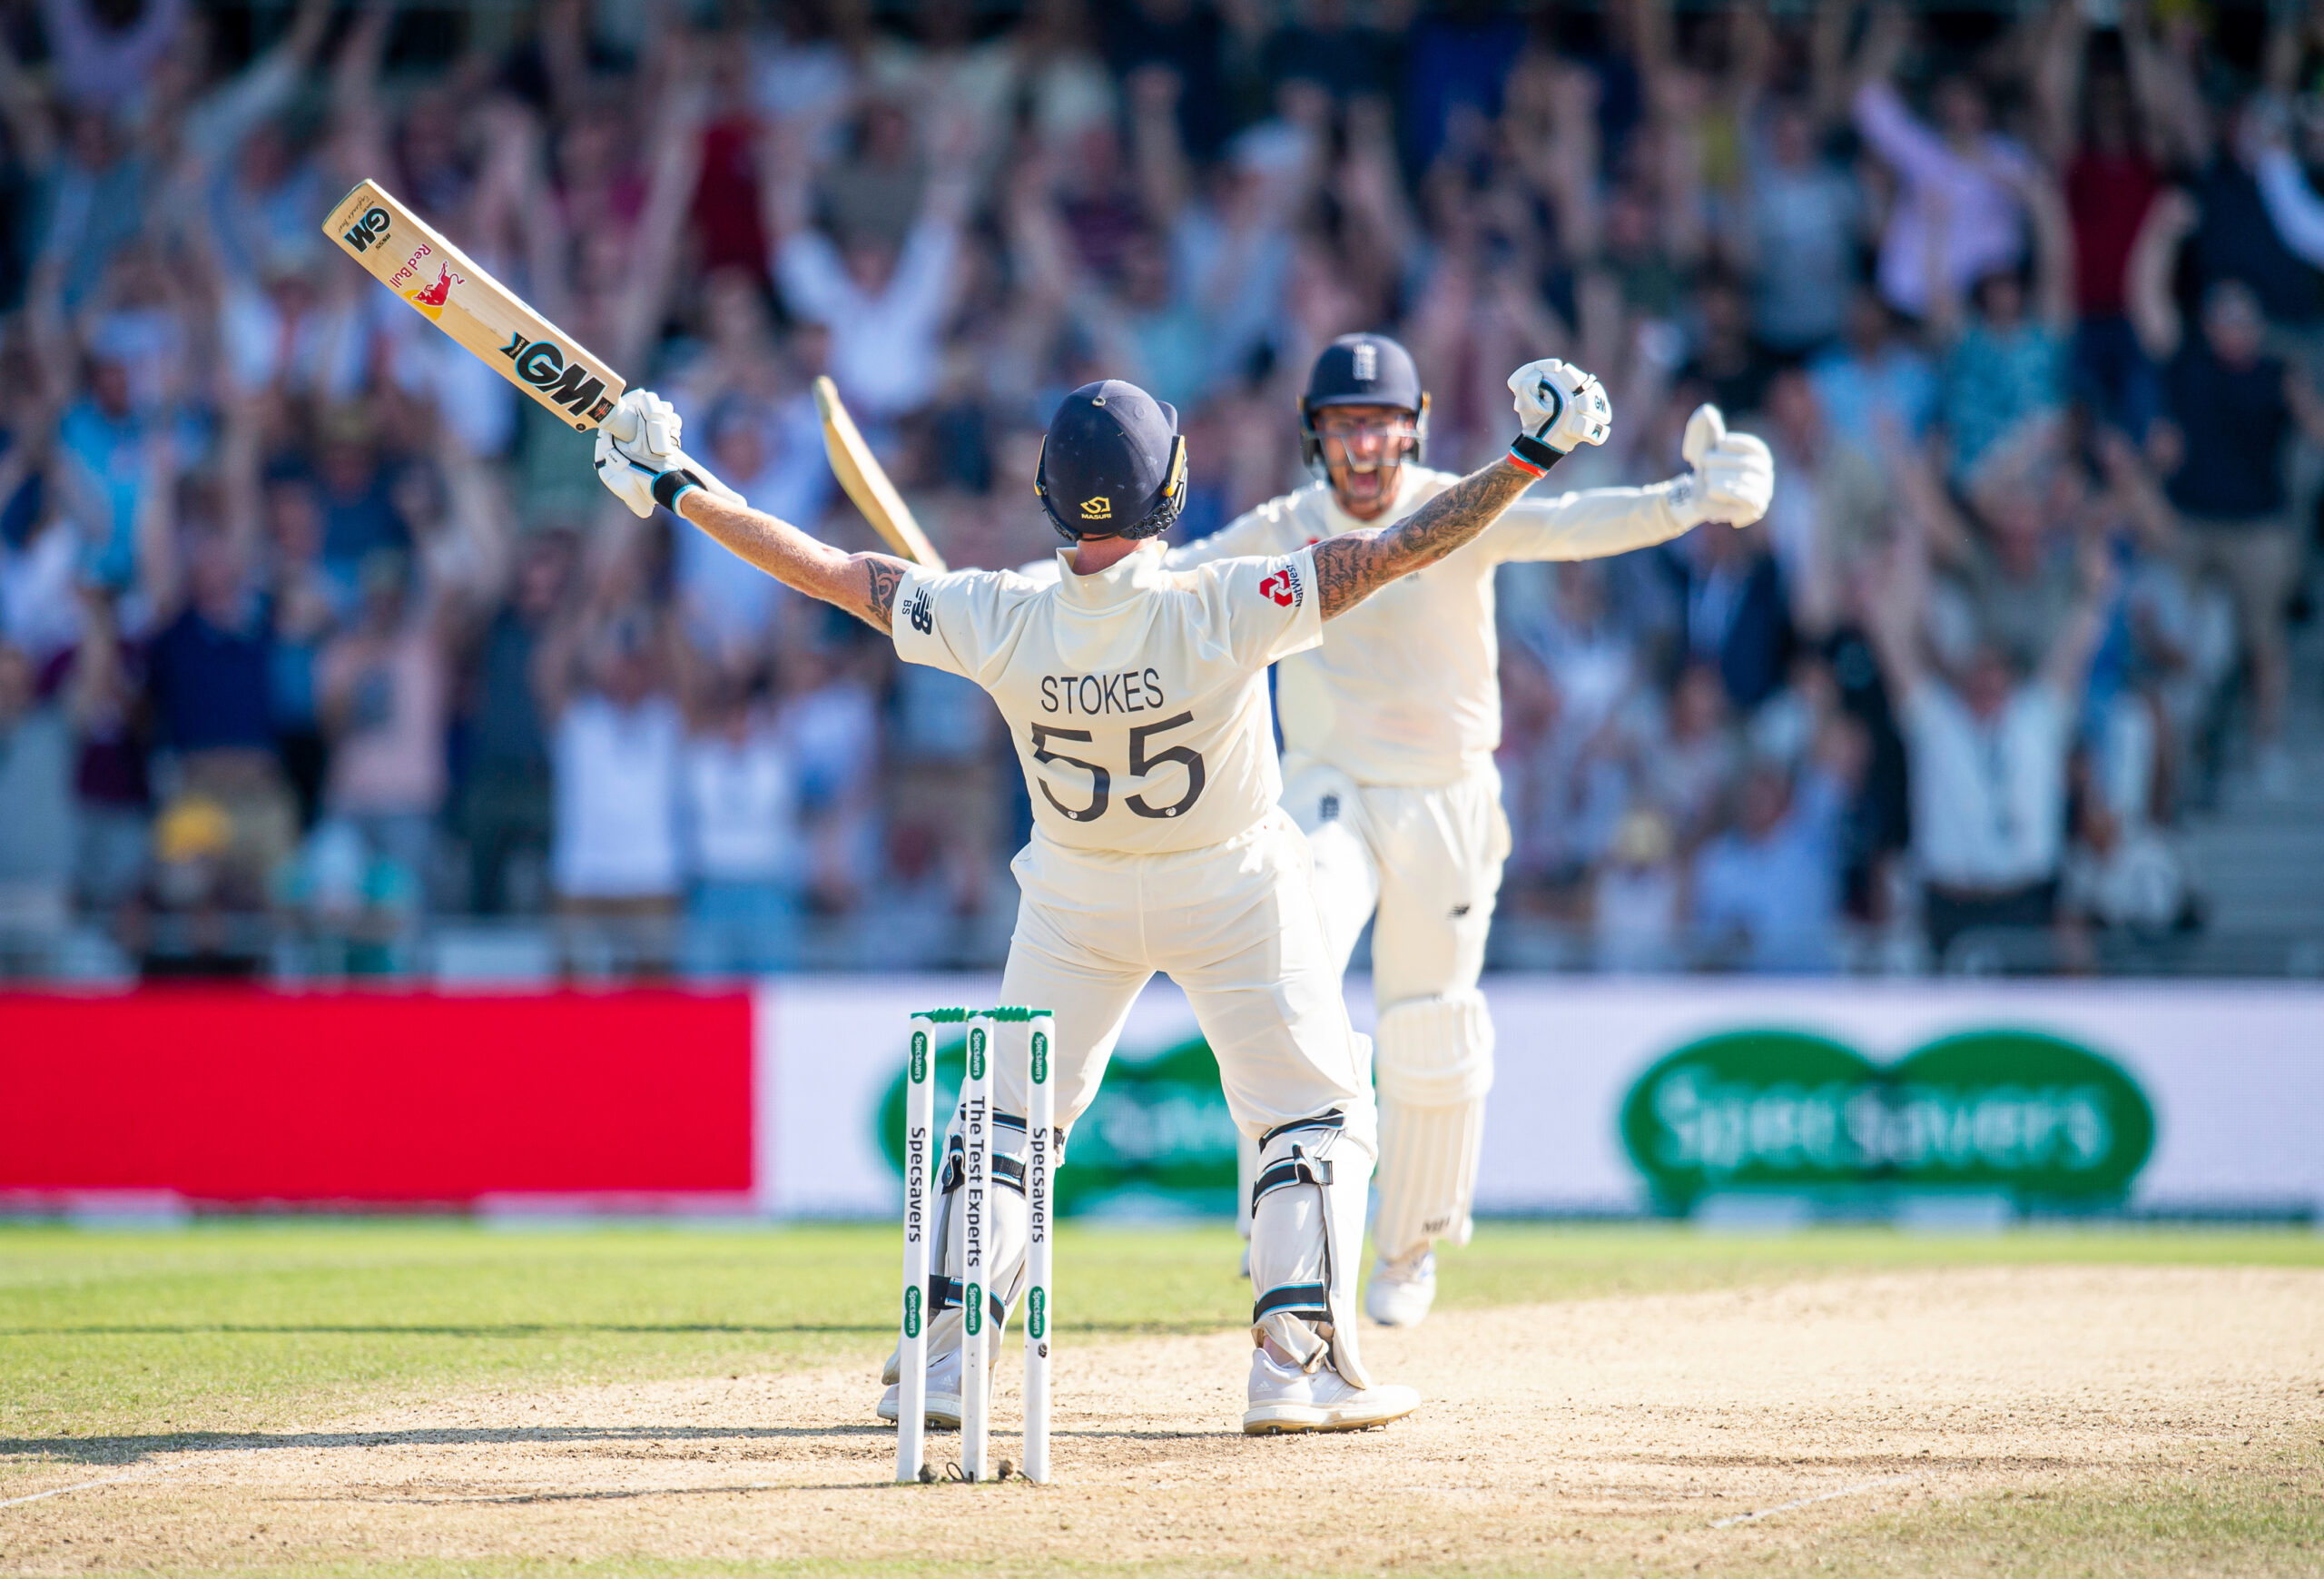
866 481
495 324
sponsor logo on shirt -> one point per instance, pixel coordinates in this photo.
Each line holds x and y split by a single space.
923 618
1285 587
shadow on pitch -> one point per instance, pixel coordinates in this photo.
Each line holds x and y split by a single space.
610 1494
571 1330
490 1329
126 1450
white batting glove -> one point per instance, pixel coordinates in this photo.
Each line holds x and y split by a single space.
1732 476
644 428
631 483
1559 406
637 450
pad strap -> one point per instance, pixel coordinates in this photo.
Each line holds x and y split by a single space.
1334 1120
1297 1168
944 1294
1309 1301
1016 1121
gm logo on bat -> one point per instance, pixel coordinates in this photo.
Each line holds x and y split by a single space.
372 227
541 363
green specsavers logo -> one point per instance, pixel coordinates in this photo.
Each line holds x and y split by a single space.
1158 1131
2014 1112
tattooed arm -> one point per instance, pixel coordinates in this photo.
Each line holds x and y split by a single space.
1351 566
862 583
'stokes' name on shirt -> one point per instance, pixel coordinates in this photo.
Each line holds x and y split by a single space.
1136 696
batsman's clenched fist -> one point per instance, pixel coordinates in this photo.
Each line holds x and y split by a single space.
1560 405
1731 476
637 445
645 428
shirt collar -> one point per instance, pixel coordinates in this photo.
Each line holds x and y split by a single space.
1139 570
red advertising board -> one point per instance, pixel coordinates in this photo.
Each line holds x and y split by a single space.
243 1096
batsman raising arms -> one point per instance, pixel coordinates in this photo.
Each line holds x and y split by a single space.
1136 697
1389 729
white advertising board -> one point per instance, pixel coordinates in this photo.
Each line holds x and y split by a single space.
1617 1094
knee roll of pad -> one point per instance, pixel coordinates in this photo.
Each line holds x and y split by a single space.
1306 1240
1435 1052
1433 1064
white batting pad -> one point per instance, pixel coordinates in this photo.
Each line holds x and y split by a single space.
1433 1064
1307 1244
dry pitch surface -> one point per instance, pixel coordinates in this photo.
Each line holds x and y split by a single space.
2027 1419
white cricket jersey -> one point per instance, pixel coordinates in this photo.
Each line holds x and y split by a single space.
1405 689
1137 697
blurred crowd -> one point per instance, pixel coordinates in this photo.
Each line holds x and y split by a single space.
309 621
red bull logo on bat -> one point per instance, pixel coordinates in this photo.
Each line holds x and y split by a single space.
431 299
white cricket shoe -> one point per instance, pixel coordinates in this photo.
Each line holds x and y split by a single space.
1285 1398
944 1407
1401 1291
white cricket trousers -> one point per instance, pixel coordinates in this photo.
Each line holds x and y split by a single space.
1427 859
1423 864
1235 926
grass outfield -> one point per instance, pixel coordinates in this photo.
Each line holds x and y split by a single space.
115 1346
236 1326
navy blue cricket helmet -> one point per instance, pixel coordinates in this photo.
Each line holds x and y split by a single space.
1113 464
1362 369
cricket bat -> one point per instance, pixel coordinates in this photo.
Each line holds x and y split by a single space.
866 481
445 287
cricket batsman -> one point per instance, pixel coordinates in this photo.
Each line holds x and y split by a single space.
1389 728
1136 696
